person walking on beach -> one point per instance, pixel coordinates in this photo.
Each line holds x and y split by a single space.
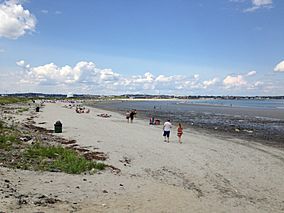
167 129
131 115
127 116
179 132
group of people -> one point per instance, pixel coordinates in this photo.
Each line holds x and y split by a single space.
167 130
82 110
130 114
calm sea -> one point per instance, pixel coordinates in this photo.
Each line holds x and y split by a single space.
185 104
263 104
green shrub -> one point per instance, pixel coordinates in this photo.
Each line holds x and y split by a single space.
6 141
59 158
11 100
23 110
100 166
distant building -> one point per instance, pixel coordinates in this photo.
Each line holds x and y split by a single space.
70 95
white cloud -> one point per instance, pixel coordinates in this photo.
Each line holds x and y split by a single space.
57 12
211 82
258 4
2 50
23 64
196 76
251 73
44 11
234 81
162 78
51 74
108 75
258 83
20 63
261 2
255 4
15 21
86 77
279 67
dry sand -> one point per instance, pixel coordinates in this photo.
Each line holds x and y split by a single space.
204 174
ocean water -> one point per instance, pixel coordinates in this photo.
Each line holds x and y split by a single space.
259 104
254 108
269 104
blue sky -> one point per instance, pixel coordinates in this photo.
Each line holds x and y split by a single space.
179 47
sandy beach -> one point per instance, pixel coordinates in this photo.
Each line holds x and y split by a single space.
206 173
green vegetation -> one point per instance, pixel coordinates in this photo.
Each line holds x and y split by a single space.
7 142
12 100
100 166
8 137
58 158
23 110
41 157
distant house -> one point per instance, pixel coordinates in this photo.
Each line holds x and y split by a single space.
70 95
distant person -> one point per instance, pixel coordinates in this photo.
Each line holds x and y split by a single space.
127 116
179 132
152 119
131 115
167 129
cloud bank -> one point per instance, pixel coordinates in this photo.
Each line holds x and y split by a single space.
86 77
15 21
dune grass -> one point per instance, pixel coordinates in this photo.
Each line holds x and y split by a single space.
41 157
58 158
12 100
23 110
8 137
7 141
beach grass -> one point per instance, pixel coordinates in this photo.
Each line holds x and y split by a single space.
41 157
12 100
8 137
7 141
57 158
23 110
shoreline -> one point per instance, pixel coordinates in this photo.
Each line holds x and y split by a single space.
268 131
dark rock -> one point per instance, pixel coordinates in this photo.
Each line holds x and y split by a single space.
105 191
41 196
22 201
51 200
25 138
55 170
6 181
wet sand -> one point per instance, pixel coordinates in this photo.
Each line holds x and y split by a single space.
264 125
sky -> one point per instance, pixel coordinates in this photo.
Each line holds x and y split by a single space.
114 47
